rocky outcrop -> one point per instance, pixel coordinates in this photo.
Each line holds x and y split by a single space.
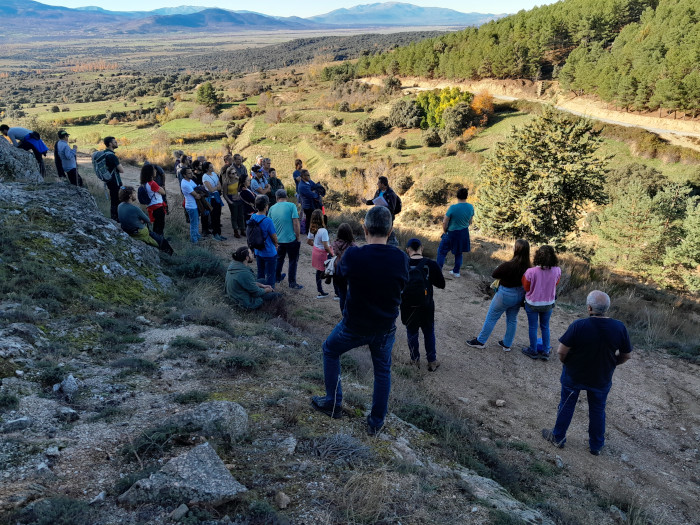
224 420
197 477
17 164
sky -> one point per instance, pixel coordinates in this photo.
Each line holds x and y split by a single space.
299 8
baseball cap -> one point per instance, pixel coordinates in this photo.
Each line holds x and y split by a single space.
414 244
63 133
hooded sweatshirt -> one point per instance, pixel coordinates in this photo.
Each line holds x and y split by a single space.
242 287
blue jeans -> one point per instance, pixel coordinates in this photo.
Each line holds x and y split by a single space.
292 250
506 300
597 398
193 214
532 320
266 269
342 340
457 242
428 328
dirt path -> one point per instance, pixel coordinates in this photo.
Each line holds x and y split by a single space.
584 106
653 431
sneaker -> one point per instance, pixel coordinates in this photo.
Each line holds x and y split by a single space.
281 277
218 237
544 356
335 412
433 366
453 274
475 343
503 345
373 431
532 355
322 295
296 286
336 298
594 452
221 237
548 436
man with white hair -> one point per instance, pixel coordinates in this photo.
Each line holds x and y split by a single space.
590 349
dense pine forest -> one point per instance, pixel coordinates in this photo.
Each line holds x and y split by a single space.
637 54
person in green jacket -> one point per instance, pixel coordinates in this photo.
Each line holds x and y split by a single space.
241 286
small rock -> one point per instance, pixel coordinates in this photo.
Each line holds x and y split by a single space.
16 425
500 402
52 452
625 458
305 343
98 499
475 509
43 471
69 386
222 419
282 500
559 462
289 445
19 373
179 512
141 319
67 414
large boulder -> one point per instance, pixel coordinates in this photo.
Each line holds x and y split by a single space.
219 419
17 164
197 477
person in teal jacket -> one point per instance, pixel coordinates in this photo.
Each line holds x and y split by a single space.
241 286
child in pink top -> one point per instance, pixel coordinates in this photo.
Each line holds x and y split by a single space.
540 283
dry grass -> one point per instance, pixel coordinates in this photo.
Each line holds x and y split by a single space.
365 497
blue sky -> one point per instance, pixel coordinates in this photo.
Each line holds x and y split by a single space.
303 8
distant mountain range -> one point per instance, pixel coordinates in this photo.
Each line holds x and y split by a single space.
24 16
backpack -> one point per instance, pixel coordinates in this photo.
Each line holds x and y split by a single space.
142 195
397 208
415 294
99 164
255 235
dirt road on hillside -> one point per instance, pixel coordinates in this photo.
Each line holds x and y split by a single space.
653 431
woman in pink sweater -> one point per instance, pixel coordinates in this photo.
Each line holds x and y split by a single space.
540 283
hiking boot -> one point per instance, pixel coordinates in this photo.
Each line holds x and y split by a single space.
503 345
595 452
236 234
453 274
317 403
322 295
475 343
295 286
543 356
281 277
548 436
433 366
373 431
531 354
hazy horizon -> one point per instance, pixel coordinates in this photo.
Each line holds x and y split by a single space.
302 9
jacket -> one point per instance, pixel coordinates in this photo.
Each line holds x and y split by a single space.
241 286
391 198
308 198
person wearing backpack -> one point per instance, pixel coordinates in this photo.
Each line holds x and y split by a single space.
417 304
385 196
115 168
262 237
152 195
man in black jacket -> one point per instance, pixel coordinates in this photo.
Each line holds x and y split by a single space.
385 196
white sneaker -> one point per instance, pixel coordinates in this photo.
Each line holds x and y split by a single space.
454 274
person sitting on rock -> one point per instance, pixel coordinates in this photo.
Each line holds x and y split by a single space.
135 222
241 286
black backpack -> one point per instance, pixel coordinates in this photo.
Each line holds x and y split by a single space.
142 195
416 292
254 234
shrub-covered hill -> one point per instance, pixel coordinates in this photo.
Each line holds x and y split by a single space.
643 54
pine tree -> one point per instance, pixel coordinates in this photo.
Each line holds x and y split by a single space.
538 180
206 96
683 260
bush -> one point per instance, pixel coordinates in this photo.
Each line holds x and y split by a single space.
403 183
55 109
405 113
196 262
430 138
434 193
399 143
392 85
333 122
233 130
455 120
344 106
371 129
55 511
8 402
191 397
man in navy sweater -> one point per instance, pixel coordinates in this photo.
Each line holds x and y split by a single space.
376 274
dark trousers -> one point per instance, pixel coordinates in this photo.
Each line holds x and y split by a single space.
307 216
290 249
159 220
237 215
113 188
74 178
320 275
215 217
427 326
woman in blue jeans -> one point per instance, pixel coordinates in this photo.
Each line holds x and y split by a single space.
509 297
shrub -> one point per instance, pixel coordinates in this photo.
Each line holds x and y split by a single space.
392 85
399 143
191 397
317 126
371 129
333 122
55 109
405 113
455 120
154 441
8 402
434 193
196 262
403 183
135 365
344 106
430 138
233 130
55 511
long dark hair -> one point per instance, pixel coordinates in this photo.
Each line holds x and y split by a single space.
345 233
241 182
521 254
148 171
545 257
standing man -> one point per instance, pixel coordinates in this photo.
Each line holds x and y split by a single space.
417 304
275 186
67 157
455 227
267 256
308 197
266 167
297 173
258 184
385 196
15 134
375 273
590 349
285 217
238 166
115 168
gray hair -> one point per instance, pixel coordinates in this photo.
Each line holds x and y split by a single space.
378 221
598 301
261 202
281 194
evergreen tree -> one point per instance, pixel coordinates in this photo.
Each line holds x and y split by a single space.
683 260
206 96
538 180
